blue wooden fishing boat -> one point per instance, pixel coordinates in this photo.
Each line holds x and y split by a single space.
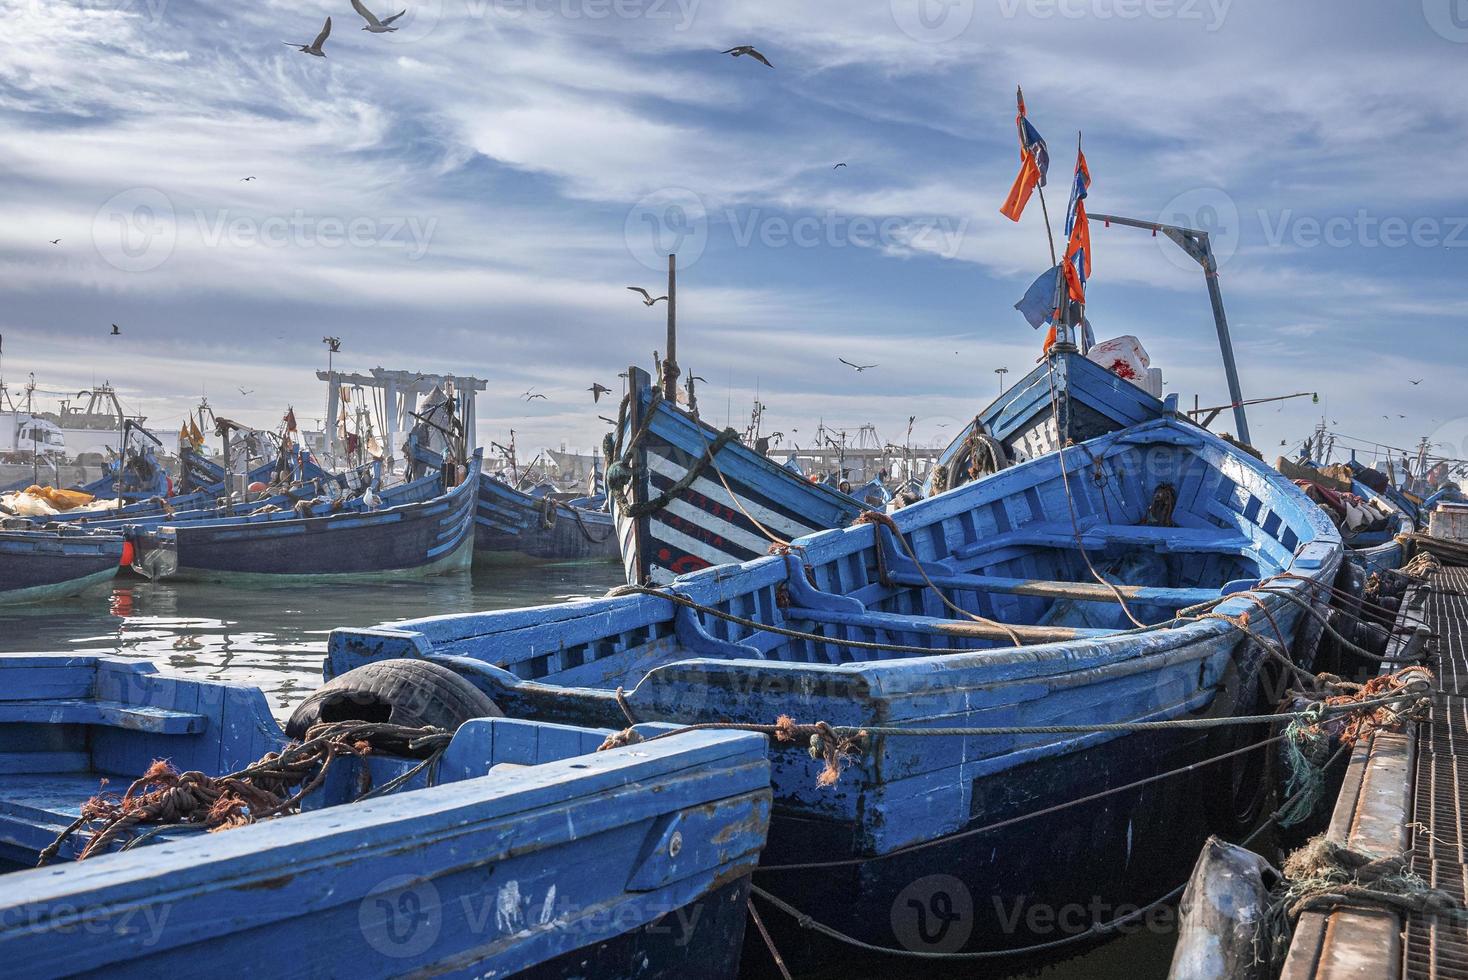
366 537
986 612
687 496
510 524
1022 423
36 565
519 850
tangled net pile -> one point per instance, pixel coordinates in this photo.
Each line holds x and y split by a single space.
1322 875
273 786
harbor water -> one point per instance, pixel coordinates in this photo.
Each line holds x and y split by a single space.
272 638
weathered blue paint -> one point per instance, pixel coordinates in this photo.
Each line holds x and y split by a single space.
37 565
1022 418
531 850
403 537
1238 522
511 524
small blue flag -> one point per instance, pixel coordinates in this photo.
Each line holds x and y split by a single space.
1038 303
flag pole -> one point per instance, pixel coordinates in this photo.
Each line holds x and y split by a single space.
1019 99
1063 338
1081 315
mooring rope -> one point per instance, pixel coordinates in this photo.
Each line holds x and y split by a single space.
881 520
805 921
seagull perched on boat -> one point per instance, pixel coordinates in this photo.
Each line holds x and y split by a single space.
55 241
314 48
859 367
374 25
647 298
529 394
743 49
598 389
116 331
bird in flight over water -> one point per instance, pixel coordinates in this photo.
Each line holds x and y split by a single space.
55 241
838 166
314 48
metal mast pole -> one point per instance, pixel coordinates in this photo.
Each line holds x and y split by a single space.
1196 244
670 359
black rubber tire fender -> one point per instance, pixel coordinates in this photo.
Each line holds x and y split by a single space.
405 691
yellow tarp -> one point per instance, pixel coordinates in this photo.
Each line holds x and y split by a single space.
60 499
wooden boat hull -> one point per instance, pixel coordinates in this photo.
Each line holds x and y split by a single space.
1023 421
512 525
1004 548
635 861
421 538
36 566
666 529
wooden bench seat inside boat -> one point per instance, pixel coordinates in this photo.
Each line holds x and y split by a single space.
931 626
1085 591
1059 534
114 714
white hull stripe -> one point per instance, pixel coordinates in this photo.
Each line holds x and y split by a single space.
778 523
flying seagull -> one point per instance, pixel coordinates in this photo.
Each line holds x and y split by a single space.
55 241
597 390
244 179
315 46
247 394
859 367
647 298
116 331
1401 416
529 394
374 25
748 49
1417 382
838 166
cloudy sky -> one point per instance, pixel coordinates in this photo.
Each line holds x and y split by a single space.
473 192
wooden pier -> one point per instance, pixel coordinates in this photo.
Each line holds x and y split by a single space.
1405 794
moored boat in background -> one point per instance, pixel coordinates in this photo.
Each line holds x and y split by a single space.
424 527
510 524
36 565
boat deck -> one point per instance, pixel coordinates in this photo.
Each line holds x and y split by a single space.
1406 793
